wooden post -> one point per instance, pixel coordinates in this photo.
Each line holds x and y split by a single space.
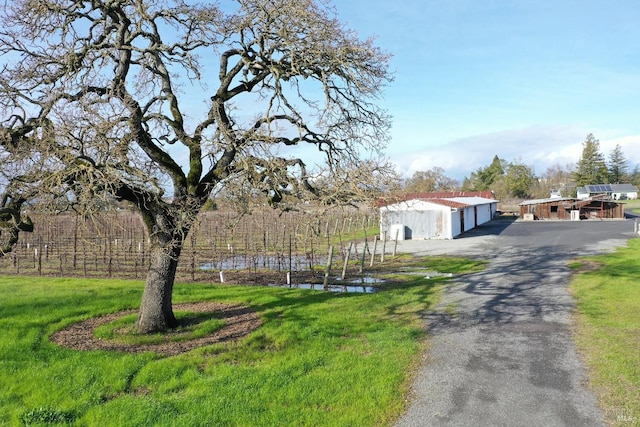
311 259
193 264
75 242
346 261
395 245
194 245
284 237
375 246
290 261
110 260
142 254
84 258
384 245
362 258
328 270
39 262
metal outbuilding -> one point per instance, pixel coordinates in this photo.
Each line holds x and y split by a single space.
570 209
431 217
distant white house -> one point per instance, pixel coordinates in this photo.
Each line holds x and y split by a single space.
613 191
435 217
556 193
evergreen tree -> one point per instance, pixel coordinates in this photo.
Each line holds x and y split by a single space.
618 166
495 171
484 178
466 184
591 168
519 180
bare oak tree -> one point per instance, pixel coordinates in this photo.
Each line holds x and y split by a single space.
160 103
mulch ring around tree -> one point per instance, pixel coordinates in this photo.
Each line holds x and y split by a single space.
239 322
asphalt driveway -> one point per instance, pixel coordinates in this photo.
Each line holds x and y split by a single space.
501 351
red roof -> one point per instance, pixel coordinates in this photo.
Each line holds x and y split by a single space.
447 195
439 195
447 202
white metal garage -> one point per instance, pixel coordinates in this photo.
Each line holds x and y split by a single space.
434 218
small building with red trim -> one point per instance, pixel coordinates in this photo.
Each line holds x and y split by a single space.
442 215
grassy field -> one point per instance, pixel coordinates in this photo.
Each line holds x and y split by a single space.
632 204
318 359
608 329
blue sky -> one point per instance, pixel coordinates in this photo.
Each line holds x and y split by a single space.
524 79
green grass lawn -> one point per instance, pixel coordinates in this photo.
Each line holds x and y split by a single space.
634 204
318 359
608 329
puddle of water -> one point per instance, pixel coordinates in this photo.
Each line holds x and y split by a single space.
355 285
428 274
368 280
331 288
272 262
359 285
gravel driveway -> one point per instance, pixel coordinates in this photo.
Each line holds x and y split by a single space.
501 351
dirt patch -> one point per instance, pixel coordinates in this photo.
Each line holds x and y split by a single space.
583 265
239 322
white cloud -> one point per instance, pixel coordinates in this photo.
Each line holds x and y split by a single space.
538 147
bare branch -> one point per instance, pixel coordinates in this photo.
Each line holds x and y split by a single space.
159 103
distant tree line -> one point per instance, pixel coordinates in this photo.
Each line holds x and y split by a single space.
517 180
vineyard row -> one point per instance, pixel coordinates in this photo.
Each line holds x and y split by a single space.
253 247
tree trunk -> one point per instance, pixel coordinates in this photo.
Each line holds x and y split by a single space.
156 311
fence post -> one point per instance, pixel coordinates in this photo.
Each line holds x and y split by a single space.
364 254
384 245
395 245
193 265
290 261
75 242
327 272
346 261
375 246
